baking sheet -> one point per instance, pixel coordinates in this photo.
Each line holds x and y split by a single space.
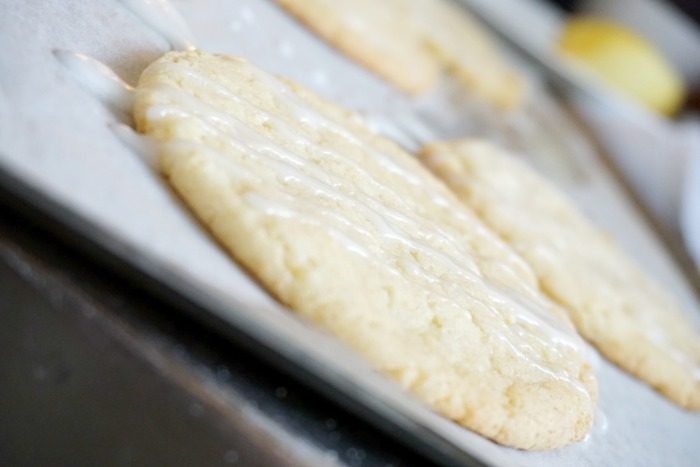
56 137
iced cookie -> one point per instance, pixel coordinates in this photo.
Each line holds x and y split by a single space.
354 235
467 51
612 302
371 33
409 42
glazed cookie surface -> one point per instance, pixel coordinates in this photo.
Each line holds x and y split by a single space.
355 236
613 303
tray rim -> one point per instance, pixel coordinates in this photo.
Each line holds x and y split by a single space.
154 277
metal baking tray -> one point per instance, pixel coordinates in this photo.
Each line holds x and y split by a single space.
60 161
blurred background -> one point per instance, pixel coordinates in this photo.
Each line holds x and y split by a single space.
631 70
673 26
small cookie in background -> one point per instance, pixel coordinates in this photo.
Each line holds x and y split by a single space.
354 235
631 319
374 33
468 52
410 42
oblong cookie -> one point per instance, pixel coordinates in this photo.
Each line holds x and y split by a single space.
467 51
409 43
612 302
357 237
371 33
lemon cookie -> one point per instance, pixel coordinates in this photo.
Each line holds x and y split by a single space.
354 235
371 33
409 42
614 305
468 52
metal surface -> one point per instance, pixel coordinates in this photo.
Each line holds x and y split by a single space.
94 371
208 306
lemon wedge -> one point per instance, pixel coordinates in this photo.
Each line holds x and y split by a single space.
624 61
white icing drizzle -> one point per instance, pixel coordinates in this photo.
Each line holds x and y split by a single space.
318 121
648 325
275 209
382 220
379 218
138 143
317 179
600 427
601 424
100 80
163 18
